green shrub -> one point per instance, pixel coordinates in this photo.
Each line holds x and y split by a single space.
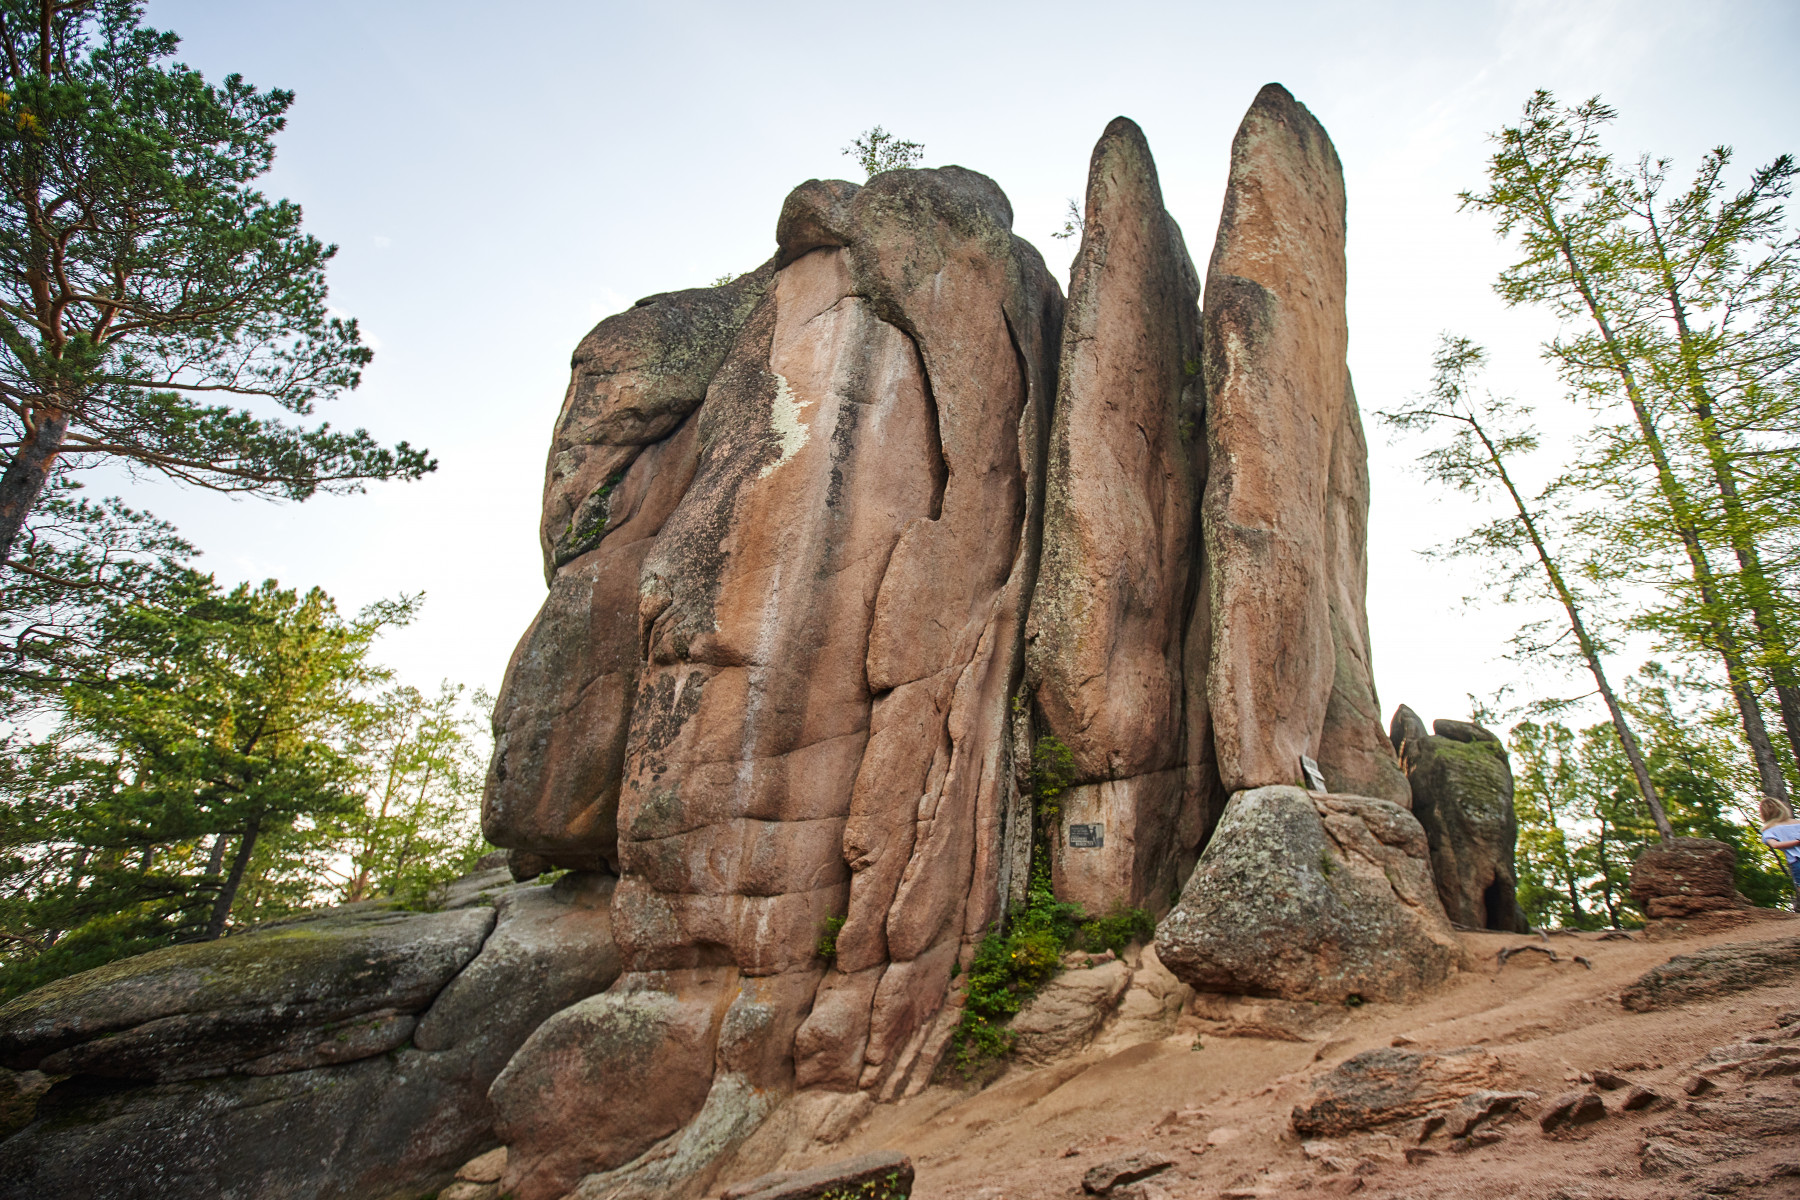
827 944
1117 929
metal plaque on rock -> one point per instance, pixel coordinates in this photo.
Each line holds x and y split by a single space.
1087 837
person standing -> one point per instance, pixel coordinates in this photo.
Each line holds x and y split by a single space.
1781 832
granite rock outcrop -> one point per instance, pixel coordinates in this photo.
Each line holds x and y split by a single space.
1311 896
1107 653
1462 792
368 1036
840 555
1285 512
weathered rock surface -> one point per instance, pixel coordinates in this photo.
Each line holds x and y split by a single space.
240 1094
1129 1168
295 990
1379 1087
1068 1011
1268 1018
1687 877
1311 897
1713 972
1462 793
1286 500
1111 610
1572 1110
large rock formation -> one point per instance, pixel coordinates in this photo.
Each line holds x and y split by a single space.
1311 897
821 590
824 628
1111 614
1287 491
347 1054
798 652
1462 789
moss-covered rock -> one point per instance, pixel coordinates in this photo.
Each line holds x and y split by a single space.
186 1012
1462 788
344 1104
1311 897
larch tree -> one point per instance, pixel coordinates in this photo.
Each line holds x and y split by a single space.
1484 434
1553 189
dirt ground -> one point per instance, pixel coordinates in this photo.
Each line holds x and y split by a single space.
1219 1106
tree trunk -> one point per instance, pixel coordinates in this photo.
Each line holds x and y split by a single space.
222 906
1777 645
27 474
1590 651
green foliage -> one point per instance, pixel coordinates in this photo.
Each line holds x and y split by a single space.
1052 771
1680 312
143 278
876 150
1582 822
885 1188
1073 223
827 944
1120 927
210 759
1010 965
421 769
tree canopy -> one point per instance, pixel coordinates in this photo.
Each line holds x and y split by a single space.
149 294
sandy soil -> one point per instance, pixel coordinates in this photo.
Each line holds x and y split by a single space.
1220 1108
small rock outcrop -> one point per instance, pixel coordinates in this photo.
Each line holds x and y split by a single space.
1067 1012
1714 972
1686 877
1379 1087
1311 897
367 1035
1462 793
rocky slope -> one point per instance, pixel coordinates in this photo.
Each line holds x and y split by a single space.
1453 1097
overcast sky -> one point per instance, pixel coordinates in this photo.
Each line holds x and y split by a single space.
500 177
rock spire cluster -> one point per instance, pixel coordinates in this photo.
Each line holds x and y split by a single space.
843 557
836 548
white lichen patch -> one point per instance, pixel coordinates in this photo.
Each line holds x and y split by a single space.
785 419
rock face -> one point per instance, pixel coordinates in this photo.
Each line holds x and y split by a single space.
200 1069
1311 897
1112 612
820 634
1462 793
1285 511
1713 972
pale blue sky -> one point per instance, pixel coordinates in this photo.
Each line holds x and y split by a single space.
499 177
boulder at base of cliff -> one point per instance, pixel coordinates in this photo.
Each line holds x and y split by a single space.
1311 897
1462 793
347 1053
